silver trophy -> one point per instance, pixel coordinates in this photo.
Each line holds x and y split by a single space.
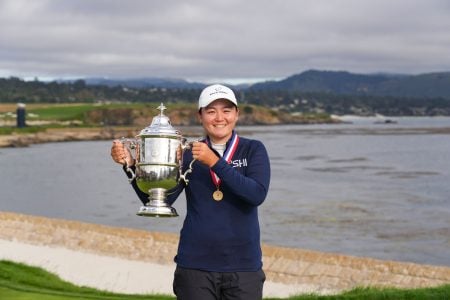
158 151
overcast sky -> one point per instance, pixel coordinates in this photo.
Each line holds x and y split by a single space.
221 40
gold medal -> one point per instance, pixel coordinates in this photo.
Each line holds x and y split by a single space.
217 195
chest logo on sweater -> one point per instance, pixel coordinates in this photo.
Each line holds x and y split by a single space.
239 163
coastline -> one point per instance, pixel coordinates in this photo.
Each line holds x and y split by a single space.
68 134
138 261
52 135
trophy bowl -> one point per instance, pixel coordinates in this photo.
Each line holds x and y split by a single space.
158 155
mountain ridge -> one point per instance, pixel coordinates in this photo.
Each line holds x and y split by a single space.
436 84
424 85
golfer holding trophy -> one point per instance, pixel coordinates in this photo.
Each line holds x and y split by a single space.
225 178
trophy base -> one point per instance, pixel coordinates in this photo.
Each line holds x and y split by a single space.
157 211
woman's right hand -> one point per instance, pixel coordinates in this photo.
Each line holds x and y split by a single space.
121 155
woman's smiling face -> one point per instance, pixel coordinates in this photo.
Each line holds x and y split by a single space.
219 119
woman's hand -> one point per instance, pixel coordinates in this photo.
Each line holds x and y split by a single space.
202 153
121 155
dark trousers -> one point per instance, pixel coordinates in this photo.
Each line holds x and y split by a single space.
190 284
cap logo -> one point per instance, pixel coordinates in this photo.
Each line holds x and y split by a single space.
218 90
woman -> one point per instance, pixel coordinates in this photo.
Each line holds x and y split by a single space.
219 253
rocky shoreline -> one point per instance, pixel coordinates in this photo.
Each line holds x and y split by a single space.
70 134
53 135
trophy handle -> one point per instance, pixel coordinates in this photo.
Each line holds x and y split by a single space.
133 174
189 170
184 146
131 144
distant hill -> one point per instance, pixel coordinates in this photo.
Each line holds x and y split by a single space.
430 85
427 85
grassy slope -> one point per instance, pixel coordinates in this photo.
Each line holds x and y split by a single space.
18 281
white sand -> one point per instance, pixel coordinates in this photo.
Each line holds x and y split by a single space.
112 273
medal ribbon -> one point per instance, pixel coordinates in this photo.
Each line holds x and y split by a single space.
228 155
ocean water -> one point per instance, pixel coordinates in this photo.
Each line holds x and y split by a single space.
364 189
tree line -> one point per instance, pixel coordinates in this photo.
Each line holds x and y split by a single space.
15 90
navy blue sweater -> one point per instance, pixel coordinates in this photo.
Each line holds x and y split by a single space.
223 236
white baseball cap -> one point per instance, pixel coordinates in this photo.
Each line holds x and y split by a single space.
214 92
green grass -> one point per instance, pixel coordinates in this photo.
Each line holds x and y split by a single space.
61 112
19 281
70 112
437 293
22 282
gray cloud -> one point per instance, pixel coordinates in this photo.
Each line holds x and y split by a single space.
215 40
